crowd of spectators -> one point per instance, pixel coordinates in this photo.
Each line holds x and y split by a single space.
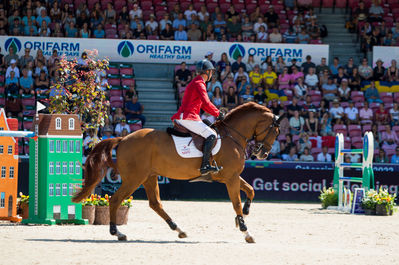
375 24
275 21
319 100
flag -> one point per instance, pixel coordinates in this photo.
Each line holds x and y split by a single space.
39 106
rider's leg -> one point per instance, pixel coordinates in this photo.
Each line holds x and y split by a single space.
210 136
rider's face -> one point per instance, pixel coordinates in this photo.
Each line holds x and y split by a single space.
209 73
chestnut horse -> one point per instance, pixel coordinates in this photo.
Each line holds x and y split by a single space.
147 153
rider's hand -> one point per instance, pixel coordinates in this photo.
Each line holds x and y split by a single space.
221 116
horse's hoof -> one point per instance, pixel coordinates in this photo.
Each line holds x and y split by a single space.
182 235
249 239
122 238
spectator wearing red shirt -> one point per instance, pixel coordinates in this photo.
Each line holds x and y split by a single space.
382 115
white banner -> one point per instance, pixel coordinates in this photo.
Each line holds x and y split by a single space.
386 54
148 51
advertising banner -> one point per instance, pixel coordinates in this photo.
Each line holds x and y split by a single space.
386 54
154 51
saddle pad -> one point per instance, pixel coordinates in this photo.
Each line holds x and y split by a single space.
185 147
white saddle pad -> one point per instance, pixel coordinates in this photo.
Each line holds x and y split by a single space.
185 147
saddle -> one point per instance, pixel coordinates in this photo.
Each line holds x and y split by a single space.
181 131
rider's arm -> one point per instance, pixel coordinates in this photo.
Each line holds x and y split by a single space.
207 105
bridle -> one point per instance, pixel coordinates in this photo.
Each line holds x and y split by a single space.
258 145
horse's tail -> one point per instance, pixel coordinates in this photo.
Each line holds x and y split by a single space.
99 158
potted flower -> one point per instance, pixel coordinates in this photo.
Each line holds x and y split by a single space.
369 202
385 202
123 211
89 208
328 197
24 205
102 211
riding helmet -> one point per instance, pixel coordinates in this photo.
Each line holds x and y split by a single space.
204 65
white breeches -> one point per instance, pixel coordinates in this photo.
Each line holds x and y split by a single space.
198 127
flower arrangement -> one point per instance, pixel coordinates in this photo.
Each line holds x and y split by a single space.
103 201
127 202
369 201
328 197
24 198
384 199
91 201
381 202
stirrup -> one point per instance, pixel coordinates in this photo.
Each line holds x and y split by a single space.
211 169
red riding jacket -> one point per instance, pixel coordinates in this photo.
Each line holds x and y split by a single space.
195 97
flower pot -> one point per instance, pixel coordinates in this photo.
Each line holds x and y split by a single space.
89 213
102 215
369 211
382 209
24 210
122 215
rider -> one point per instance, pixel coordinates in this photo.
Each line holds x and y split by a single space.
196 97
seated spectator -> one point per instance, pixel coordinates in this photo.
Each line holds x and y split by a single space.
203 13
229 83
348 68
351 114
293 107
275 36
262 35
13 68
382 157
295 74
12 84
275 151
312 124
394 114
366 114
242 84
259 24
291 156
325 125
194 34
290 36
10 56
269 77
39 68
287 145
219 23
247 28
393 71
355 80
365 71
213 84
89 141
13 106
247 95
181 34
304 142
221 65
337 112
230 98
167 33
226 73
389 138
284 79
237 64
375 12
379 71
44 30
182 78
312 80
323 77
344 91
164 21
276 107
26 83
135 12
131 93
42 83
307 65
324 156
255 76
329 90
151 26
340 76
71 31
300 89
265 63
322 67
233 27
120 126
334 67
107 133
134 23
382 115
179 21
303 37
99 32
395 157
217 98
260 96
371 94
134 110
296 123
306 156
118 116
25 59
280 65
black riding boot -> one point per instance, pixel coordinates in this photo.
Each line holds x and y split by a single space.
206 167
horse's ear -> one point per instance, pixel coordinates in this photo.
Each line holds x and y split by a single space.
280 118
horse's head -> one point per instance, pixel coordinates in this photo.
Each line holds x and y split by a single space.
265 134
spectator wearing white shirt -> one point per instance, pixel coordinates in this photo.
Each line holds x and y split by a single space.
258 24
344 90
120 127
366 114
189 12
13 68
136 12
300 89
337 112
164 21
351 114
311 79
324 156
203 13
151 26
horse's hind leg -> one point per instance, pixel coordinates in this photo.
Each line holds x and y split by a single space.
152 190
125 190
233 188
249 191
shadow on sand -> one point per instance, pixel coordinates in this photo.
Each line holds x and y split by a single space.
116 241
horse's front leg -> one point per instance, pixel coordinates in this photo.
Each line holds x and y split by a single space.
233 188
249 191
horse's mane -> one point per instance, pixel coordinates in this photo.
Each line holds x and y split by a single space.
244 109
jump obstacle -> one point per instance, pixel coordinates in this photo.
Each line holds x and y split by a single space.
367 179
55 171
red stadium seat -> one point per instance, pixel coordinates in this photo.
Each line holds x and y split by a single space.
126 71
386 97
328 3
113 71
354 130
366 128
114 81
340 128
340 3
357 96
115 93
396 129
381 128
357 142
128 82
135 126
374 106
